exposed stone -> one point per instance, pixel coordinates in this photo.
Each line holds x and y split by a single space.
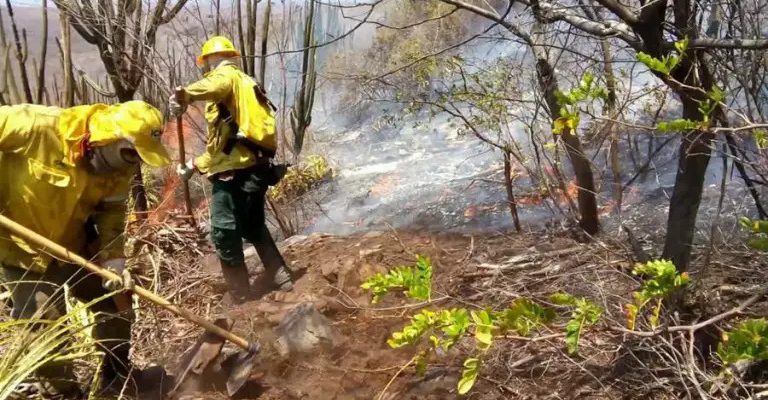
303 330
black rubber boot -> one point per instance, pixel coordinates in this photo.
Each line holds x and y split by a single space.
274 265
238 283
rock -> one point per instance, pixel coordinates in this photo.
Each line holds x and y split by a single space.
295 239
330 272
303 330
373 234
368 252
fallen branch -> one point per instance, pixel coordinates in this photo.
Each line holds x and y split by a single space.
694 327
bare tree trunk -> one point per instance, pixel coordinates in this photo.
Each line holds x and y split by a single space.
251 8
510 190
301 115
264 37
240 37
694 155
587 200
66 56
43 51
21 53
610 112
218 17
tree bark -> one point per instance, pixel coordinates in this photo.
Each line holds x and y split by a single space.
264 37
582 169
43 50
21 53
610 111
66 54
510 190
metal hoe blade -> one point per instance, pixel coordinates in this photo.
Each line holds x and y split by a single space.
241 369
203 353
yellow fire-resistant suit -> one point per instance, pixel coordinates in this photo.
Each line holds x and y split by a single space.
46 186
228 85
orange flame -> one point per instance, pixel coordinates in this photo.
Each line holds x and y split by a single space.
170 197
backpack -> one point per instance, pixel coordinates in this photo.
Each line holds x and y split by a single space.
247 142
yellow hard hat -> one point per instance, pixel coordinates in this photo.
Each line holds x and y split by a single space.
217 45
135 121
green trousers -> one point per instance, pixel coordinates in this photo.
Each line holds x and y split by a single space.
31 292
237 213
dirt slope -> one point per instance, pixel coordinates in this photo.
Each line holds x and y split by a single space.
486 270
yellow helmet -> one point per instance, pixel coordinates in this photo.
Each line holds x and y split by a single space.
135 121
217 45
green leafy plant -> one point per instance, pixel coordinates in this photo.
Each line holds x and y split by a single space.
568 101
662 279
759 230
300 178
415 281
469 375
666 64
523 316
761 139
442 329
584 314
747 342
30 343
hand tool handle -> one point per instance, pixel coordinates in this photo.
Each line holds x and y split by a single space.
49 247
183 157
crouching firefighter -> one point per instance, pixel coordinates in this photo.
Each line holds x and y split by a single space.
241 143
66 174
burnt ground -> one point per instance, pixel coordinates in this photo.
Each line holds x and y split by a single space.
474 271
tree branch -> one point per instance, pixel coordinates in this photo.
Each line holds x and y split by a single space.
493 16
621 11
606 28
711 43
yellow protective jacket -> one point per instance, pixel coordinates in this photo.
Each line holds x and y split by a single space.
45 187
228 85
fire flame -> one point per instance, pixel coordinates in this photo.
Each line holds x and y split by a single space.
171 198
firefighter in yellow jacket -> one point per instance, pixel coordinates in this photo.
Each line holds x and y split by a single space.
241 142
66 174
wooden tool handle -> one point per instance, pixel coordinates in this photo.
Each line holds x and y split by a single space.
49 247
183 157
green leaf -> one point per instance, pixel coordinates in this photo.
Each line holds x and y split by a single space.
631 312
758 243
748 342
681 46
483 329
563 299
584 314
573 334
421 364
761 139
523 316
653 63
416 281
559 125
678 125
564 99
716 94
586 82
468 375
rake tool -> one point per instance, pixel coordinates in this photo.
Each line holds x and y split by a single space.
207 348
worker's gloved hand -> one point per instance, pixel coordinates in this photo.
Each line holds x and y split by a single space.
185 171
117 266
177 105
